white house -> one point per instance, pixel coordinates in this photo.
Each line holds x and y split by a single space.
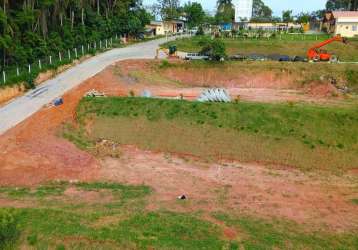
243 10
346 23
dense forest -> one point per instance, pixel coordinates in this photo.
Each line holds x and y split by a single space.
31 29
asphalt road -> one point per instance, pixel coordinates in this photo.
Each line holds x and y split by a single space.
23 107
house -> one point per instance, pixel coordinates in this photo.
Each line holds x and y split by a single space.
226 27
344 23
173 26
273 27
156 28
159 28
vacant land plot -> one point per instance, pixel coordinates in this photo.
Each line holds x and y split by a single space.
277 174
296 47
273 134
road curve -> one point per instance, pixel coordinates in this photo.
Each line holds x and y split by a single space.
23 107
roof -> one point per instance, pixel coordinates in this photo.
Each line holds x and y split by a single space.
343 14
156 23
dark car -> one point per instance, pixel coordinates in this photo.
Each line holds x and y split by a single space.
299 59
284 58
238 57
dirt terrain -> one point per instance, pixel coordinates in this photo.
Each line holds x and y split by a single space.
34 152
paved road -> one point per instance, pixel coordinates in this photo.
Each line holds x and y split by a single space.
23 107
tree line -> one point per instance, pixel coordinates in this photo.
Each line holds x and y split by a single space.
31 29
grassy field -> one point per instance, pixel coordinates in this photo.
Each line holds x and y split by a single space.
268 133
116 218
295 47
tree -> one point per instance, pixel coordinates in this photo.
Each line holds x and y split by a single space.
225 11
287 16
261 12
214 48
34 28
342 5
303 17
169 9
194 13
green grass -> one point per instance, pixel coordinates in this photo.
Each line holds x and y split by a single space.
104 225
9 231
291 47
50 189
126 192
95 225
281 234
354 201
271 133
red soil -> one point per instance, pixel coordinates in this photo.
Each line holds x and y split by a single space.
33 153
239 188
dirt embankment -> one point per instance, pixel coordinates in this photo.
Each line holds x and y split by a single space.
34 152
250 84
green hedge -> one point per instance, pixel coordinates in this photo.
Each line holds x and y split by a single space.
9 230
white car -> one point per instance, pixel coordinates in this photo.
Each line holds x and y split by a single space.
196 56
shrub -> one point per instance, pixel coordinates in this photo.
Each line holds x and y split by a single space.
200 31
214 48
8 228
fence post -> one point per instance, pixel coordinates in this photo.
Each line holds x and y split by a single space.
4 76
76 54
111 41
69 54
106 43
95 46
17 71
29 68
83 50
60 56
51 60
40 65
100 44
116 36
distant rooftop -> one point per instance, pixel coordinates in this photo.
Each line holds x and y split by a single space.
345 14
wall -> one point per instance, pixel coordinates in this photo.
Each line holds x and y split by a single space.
347 29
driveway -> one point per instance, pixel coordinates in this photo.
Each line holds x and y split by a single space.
23 107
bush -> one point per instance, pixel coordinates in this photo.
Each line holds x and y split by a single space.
200 31
214 48
8 228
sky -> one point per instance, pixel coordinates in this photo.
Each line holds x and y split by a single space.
276 5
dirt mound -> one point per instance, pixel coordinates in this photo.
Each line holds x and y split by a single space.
322 90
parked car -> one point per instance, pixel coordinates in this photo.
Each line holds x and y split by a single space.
299 59
196 56
278 57
284 58
256 57
238 57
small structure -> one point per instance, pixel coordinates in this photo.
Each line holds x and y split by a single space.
344 23
273 27
160 28
174 26
155 28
